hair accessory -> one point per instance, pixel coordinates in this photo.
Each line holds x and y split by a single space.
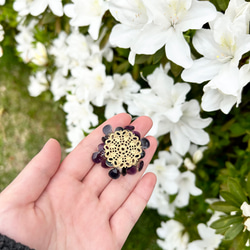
121 150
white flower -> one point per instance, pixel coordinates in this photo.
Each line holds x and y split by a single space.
166 169
38 83
162 102
247 224
77 42
25 39
209 239
39 6
196 155
222 48
189 128
186 184
165 103
160 200
1 38
2 2
147 25
124 86
173 234
133 17
96 86
39 54
59 85
66 49
87 12
60 52
1 33
238 11
79 113
36 7
245 209
75 135
22 7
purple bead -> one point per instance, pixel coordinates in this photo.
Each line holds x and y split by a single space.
103 164
107 129
124 171
108 163
129 127
145 143
131 170
114 173
143 154
140 167
97 157
137 134
104 138
101 147
119 129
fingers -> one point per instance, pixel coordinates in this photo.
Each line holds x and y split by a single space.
117 191
97 179
78 163
31 182
125 218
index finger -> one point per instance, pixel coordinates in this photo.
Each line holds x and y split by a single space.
78 163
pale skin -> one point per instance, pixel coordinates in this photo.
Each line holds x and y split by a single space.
74 204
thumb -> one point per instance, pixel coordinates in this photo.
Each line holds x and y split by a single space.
34 178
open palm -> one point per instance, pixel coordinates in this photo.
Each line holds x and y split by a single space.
75 204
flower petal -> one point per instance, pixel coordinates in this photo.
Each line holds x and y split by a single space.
205 44
180 142
123 36
151 39
129 12
227 81
199 14
177 49
38 7
56 7
245 209
202 70
213 99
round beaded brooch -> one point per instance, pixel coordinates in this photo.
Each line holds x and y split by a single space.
121 150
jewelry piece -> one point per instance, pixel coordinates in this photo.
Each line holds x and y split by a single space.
121 150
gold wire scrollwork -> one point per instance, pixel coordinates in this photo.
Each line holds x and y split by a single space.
123 149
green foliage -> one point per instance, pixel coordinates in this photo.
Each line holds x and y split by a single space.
220 5
28 122
231 226
143 235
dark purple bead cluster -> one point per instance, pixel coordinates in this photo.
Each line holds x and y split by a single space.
123 143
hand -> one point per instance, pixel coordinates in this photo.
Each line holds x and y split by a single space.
75 204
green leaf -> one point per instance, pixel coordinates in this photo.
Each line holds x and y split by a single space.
148 70
248 184
176 69
224 207
237 130
233 231
140 59
226 221
158 55
230 198
236 190
223 4
122 67
241 240
221 230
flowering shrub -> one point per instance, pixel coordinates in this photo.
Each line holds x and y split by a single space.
184 63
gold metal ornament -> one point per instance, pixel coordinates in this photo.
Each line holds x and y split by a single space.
123 149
